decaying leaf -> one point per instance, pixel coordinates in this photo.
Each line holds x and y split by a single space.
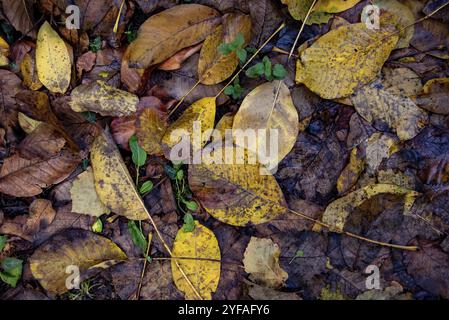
26 123
151 126
113 183
203 274
213 66
20 15
73 248
344 59
261 261
388 111
29 72
166 33
259 111
238 194
379 147
435 96
351 173
84 196
337 212
226 122
200 116
175 62
299 8
104 99
53 61
4 52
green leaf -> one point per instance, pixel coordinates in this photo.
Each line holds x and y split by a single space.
95 45
225 49
139 155
97 227
170 171
146 187
137 236
299 254
180 175
189 223
239 40
242 55
11 271
279 72
229 90
85 164
3 240
255 71
191 205
268 68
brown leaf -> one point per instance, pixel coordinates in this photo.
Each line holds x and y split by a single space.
85 62
266 18
435 96
122 129
175 62
42 143
150 128
20 15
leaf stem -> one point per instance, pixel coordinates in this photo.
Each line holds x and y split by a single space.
184 97
115 30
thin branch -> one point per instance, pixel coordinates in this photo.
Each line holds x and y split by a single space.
139 288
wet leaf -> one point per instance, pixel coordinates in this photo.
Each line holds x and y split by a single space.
259 112
113 183
52 60
337 212
104 99
84 197
237 194
344 59
261 261
203 274
73 248
166 33
215 67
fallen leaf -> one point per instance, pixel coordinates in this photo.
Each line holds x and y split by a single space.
266 17
26 123
351 173
388 111
237 194
257 292
165 33
20 15
175 62
201 114
344 59
52 60
73 248
29 72
151 126
299 8
337 212
41 215
84 196
435 96
4 53
393 292
122 129
196 246
113 183
104 99
259 111
226 122
379 147
335 6
85 62
213 66
261 261
42 143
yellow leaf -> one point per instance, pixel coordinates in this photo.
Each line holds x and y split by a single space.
52 60
259 112
58 258
379 147
29 73
378 105
166 33
335 6
351 173
344 59
104 99
236 192
201 114
299 8
113 183
226 122
337 212
204 275
214 67
261 261
27 124
84 197
151 126
4 52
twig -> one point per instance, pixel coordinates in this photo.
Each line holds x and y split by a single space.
184 97
139 288
115 30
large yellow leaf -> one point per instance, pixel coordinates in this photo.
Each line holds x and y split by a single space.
113 183
104 99
299 8
259 112
204 275
214 67
56 260
344 59
335 6
236 192
52 60
151 126
200 115
337 212
29 73
166 33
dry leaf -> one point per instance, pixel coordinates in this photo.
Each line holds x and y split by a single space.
261 261
29 72
344 59
26 123
42 143
236 194
53 61
53 262
379 147
113 183
104 99
337 212
20 15
299 8
214 67
166 33
84 196
204 275
351 173
4 53
151 126
175 62
259 112
435 96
